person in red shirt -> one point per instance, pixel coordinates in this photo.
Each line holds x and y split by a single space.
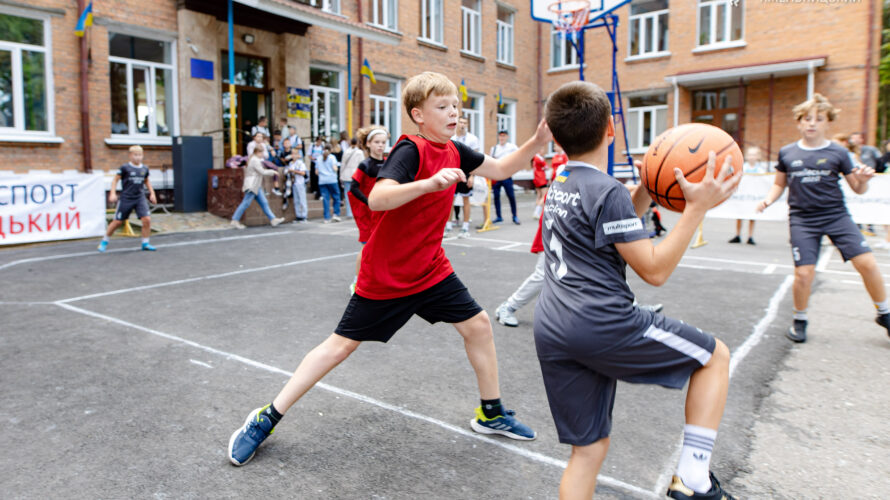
373 140
539 164
559 158
404 270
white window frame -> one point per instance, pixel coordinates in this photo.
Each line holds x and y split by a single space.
561 43
505 39
635 118
655 17
507 121
388 104
17 132
332 6
714 5
471 29
432 29
316 89
151 137
476 118
382 11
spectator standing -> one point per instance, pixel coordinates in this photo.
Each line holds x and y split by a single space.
327 167
352 156
754 164
869 155
463 192
499 150
261 127
253 190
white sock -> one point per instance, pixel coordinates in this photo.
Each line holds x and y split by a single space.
448 226
105 238
538 210
144 240
882 307
695 458
465 226
800 314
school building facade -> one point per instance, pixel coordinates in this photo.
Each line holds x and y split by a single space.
159 69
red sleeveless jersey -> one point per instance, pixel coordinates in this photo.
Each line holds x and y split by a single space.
364 217
404 254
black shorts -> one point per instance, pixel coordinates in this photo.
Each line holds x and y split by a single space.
124 207
462 188
368 319
581 386
806 237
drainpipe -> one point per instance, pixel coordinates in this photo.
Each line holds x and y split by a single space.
540 100
85 97
810 81
769 127
361 82
676 101
865 107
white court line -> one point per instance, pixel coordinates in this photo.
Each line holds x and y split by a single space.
508 247
736 359
200 363
208 277
769 269
138 249
538 457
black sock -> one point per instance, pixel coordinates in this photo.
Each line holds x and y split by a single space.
492 408
272 414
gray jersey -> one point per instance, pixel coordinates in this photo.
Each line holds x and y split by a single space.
812 176
586 302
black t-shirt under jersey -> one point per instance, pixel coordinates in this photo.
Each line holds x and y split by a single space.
404 159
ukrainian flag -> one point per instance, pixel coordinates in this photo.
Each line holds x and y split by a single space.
463 90
86 19
367 71
500 97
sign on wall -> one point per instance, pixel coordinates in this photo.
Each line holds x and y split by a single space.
299 103
51 207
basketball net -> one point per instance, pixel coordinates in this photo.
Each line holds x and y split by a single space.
570 16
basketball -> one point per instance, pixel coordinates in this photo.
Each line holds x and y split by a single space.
685 147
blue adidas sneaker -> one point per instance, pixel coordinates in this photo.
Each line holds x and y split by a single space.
146 247
505 425
244 441
103 245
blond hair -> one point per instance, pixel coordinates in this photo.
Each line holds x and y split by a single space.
361 135
818 102
419 88
135 148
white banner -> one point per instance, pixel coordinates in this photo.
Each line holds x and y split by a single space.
873 207
51 207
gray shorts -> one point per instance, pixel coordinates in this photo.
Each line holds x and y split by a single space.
806 237
124 207
581 387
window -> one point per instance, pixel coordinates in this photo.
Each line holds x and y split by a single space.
718 107
562 52
327 102
431 21
472 109
385 13
646 118
471 14
648 28
720 21
505 35
385 107
507 118
142 81
332 6
26 94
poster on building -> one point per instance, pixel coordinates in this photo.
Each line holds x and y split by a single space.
871 207
299 103
51 207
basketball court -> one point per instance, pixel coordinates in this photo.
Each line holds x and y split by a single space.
127 372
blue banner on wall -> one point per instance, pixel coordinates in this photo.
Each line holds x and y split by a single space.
202 69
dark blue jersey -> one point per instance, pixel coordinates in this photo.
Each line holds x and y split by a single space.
812 176
132 181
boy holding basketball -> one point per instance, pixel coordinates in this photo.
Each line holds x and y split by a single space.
404 270
811 168
588 333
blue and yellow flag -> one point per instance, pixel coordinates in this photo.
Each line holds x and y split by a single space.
500 98
463 90
367 71
86 19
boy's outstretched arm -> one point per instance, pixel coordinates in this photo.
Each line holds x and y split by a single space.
507 166
388 194
775 191
112 192
858 179
151 192
655 263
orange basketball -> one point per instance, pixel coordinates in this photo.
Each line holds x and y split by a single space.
685 147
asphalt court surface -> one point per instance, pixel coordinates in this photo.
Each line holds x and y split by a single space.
138 366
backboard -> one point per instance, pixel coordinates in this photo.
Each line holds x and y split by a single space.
598 8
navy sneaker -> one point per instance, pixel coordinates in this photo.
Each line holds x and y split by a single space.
497 220
505 425
244 441
884 320
798 331
680 491
516 220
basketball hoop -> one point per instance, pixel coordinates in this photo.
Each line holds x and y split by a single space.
570 16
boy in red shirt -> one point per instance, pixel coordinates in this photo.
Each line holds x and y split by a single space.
404 270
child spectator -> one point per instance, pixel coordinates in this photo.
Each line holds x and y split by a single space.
135 181
352 156
327 183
